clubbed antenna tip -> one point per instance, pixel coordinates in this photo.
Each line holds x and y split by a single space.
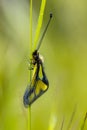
51 15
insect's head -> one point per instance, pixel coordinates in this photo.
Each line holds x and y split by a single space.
35 56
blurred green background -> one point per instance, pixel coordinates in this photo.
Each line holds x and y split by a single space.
64 50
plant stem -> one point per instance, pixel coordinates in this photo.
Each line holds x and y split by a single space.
30 74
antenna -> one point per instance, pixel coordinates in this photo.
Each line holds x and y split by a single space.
44 32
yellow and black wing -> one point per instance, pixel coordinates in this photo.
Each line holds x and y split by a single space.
37 86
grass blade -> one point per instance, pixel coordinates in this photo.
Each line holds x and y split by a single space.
39 25
62 124
71 119
83 125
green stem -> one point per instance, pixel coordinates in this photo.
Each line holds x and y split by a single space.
30 44
29 118
30 74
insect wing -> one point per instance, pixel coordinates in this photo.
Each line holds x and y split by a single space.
29 93
41 87
37 90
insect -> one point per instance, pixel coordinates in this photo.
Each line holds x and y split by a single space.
39 82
